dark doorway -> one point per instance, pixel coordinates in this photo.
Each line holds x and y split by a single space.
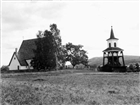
18 67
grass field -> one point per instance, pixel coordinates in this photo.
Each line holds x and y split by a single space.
70 87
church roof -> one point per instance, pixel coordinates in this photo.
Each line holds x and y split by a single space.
112 34
26 51
112 49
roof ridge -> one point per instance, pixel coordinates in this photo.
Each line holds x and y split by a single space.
30 39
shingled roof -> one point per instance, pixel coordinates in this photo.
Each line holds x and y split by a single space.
112 34
112 49
26 51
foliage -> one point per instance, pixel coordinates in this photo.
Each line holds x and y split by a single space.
49 53
62 54
45 52
4 68
137 67
40 34
60 51
133 68
93 66
56 33
76 55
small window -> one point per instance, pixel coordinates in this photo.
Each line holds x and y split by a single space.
14 58
109 44
115 45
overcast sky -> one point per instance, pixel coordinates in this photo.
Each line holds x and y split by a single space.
86 23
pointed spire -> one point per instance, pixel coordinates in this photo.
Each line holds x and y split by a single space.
112 34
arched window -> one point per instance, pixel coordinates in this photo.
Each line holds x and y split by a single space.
109 44
115 45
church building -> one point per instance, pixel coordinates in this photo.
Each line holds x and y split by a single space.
21 59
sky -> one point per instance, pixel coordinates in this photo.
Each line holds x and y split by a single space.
86 23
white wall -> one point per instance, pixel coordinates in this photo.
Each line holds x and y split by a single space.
112 41
14 63
23 67
29 64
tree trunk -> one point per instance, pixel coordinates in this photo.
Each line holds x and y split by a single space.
56 61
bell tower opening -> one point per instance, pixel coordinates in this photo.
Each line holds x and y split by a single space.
109 44
115 44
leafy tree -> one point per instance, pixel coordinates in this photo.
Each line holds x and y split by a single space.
76 55
62 53
60 50
56 33
49 52
45 52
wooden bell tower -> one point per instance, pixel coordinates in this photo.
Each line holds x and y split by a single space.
113 55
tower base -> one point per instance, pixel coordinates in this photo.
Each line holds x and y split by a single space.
107 68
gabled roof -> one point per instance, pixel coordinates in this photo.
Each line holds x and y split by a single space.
112 34
26 51
112 49
12 58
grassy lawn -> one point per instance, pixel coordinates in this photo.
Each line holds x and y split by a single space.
75 87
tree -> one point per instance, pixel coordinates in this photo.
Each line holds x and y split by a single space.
56 33
58 54
49 52
45 52
76 55
84 58
61 55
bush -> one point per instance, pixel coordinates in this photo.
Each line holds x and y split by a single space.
4 68
133 68
93 66
137 67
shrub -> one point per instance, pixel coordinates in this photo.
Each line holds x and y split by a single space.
93 67
133 68
137 67
4 68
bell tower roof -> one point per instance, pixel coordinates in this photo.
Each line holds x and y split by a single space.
112 35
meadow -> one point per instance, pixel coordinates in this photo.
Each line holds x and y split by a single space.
70 87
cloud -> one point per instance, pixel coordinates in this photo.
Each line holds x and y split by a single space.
13 17
135 27
49 10
22 15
